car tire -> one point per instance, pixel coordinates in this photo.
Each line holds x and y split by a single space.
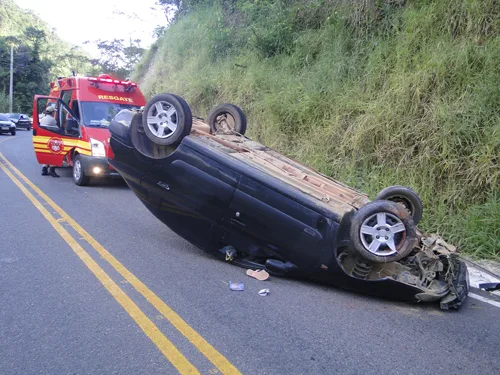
234 116
382 231
28 128
79 176
13 132
406 197
167 119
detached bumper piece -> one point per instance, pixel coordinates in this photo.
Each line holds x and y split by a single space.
489 287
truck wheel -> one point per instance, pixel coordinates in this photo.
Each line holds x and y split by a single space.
382 232
13 132
227 118
79 176
406 197
167 119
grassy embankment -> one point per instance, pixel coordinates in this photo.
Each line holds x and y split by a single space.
374 93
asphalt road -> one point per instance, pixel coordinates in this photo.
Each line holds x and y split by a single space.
65 309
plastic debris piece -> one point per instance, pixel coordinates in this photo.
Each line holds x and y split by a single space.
258 274
229 251
236 286
489 287
264 292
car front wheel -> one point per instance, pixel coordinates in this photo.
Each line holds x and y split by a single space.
79 176
13 132
405 197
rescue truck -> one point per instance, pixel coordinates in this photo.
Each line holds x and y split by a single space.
79 136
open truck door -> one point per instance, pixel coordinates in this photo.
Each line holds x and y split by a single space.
52 141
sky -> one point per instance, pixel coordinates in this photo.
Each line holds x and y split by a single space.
82 20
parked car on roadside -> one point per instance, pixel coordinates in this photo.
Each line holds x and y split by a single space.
248 204
21 120
6 125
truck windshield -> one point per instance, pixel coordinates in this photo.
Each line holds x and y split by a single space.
100 114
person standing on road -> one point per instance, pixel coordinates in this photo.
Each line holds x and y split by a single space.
49 121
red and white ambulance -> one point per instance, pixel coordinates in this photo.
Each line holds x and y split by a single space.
79 136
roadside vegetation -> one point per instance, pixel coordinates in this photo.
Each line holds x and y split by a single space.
371 92
40 56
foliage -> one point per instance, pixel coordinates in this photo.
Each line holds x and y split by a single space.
117 58
4 103
31 70
371 92
39 56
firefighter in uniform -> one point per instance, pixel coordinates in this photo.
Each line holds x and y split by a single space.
49 120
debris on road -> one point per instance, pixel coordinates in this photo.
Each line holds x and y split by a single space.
264 292
489 287
258 274
236 286
229 251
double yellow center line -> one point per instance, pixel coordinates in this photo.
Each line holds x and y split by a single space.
178 360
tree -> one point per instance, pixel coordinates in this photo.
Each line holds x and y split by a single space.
31 68
37 37
169 7
116 58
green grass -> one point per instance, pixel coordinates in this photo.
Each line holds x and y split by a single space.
373 93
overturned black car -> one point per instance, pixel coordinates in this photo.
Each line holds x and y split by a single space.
243 202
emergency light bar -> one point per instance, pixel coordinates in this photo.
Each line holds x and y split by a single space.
115 81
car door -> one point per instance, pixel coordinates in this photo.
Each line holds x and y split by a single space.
263 220
193 192
51 143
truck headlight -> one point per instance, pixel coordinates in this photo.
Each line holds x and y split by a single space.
97 147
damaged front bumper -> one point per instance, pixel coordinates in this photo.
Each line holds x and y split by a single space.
459 286
453 273
432 273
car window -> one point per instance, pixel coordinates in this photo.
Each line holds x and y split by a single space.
4 117
66 96
75 108
101 113
14 116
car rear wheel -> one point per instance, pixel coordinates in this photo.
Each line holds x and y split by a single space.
382 232
227 118
406 197
79 176
167 119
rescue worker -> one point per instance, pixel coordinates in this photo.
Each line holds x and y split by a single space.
49 120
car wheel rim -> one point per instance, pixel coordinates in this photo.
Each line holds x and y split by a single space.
162 119
383 234
77 170
225 123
